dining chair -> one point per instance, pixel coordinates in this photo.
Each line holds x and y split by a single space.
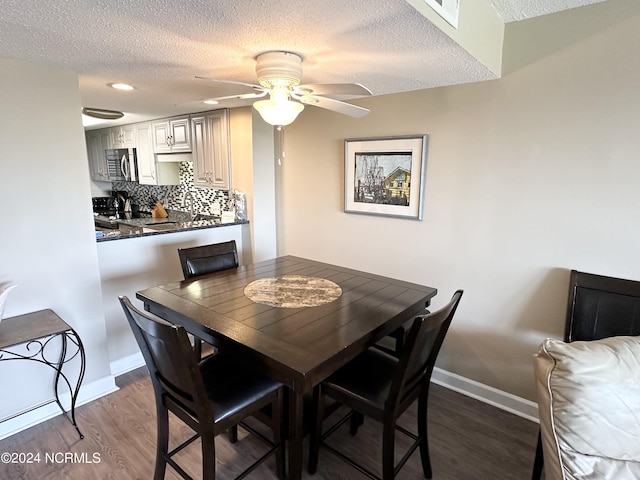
209 397
196 261
204 259
598 307
394 342
382 387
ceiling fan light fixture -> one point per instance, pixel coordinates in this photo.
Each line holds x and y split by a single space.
278 114
278 110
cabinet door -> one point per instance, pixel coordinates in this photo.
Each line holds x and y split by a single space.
123 136
218 126
210 144
149 171
161 136
97 142
180 135
144 154
199 147
128 133
172 135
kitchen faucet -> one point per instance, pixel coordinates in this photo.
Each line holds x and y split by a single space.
191 203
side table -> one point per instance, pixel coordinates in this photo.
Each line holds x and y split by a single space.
37 330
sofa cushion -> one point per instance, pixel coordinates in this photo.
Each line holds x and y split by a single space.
589 407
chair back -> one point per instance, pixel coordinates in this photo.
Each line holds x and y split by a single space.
601 307
420 352
169 357
205 259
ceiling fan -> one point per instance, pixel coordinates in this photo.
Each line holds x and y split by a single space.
279 74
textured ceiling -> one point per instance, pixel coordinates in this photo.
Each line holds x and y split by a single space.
514 10
160 46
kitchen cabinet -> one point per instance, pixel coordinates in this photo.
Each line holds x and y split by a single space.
97 142
123 136
211 154
151 172
171 135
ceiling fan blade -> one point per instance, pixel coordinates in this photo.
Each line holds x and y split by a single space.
335 105
332 89
241 96
255 87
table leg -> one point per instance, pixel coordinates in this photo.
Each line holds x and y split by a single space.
76 391
296 434
73 390
58 369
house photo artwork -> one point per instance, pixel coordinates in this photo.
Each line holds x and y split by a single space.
385 175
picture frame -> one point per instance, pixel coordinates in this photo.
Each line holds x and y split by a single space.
385 175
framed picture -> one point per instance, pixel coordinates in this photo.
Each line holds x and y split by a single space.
385 175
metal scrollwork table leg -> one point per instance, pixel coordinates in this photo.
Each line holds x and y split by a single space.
37 330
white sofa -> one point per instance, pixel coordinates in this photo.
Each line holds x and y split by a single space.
589 408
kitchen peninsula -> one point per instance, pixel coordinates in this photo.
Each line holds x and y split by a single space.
111 228
147 255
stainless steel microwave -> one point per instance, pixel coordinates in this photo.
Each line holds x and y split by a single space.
122 164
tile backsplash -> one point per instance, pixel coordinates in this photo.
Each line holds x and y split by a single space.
206 200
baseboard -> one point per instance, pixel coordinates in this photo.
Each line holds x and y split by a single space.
126 364
94 390
492 396
497 398
88 393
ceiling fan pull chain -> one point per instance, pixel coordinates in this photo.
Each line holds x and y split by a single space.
280 141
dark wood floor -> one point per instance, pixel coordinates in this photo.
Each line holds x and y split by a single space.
468 440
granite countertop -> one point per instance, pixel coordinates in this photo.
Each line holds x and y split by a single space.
177 221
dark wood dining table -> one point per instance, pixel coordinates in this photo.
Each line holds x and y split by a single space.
323 317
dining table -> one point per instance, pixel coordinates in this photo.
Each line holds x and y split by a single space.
299 318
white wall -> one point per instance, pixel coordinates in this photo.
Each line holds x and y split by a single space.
527 177
47 246
253 173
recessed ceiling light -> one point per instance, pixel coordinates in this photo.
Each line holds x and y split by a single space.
210 102
120 86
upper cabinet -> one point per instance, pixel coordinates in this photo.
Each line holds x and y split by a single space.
171 135
97 142
211 155
123 136
151 172
205 134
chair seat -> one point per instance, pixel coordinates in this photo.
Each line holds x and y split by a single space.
232 387
366 379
